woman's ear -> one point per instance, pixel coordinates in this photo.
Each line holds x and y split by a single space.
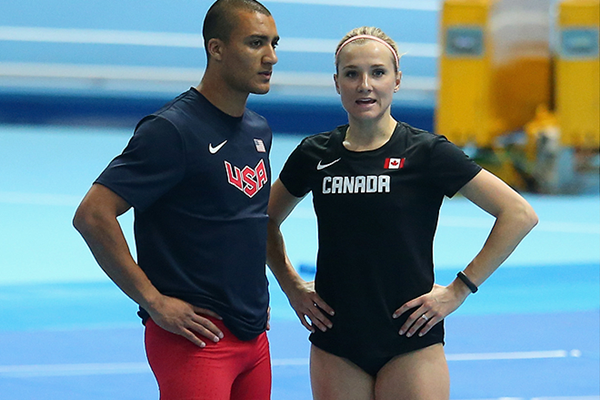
337 86
398 79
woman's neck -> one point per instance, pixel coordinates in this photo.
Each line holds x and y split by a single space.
368 135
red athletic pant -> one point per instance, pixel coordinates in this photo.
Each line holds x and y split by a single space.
231 369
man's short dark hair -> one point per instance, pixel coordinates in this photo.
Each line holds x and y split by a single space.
221 18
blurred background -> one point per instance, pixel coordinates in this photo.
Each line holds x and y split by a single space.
515 83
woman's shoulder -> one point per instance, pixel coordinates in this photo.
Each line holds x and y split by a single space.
416 135
416 132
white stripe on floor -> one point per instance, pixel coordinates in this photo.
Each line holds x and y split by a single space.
45 370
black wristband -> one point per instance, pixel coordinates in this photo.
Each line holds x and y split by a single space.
473 287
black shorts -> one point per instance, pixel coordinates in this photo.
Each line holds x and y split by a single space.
372 354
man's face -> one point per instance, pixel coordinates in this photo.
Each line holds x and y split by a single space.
249 54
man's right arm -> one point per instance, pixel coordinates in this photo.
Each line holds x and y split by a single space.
96 220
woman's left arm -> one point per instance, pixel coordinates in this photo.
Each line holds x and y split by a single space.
514 220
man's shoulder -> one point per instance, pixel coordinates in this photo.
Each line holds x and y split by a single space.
186 104
255 119
171 112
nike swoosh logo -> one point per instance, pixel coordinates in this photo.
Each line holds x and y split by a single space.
323 166
213 150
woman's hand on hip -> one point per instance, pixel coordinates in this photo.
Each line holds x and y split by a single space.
429 309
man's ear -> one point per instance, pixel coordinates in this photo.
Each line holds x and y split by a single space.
215 49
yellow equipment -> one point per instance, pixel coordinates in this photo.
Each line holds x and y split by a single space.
463 112
578 74
495 68
518 101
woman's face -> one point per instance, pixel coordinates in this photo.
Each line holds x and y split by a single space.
366 79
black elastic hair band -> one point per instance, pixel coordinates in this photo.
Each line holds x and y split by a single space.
473 287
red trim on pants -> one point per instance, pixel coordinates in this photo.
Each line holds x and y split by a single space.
231 369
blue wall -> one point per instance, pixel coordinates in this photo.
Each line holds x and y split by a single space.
70 40
283 116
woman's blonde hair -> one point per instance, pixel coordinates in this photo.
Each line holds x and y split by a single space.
368 31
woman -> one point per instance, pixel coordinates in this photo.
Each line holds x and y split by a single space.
377 186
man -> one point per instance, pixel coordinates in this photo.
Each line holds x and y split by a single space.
197 174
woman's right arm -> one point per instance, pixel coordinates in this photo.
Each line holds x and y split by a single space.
301 294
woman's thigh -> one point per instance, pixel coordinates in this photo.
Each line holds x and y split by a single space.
418 375
335 378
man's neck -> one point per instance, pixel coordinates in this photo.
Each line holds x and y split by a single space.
221 96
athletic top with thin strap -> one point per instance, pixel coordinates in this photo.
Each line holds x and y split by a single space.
377 213
199 181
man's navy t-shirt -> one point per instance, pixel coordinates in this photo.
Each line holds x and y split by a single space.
199 180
